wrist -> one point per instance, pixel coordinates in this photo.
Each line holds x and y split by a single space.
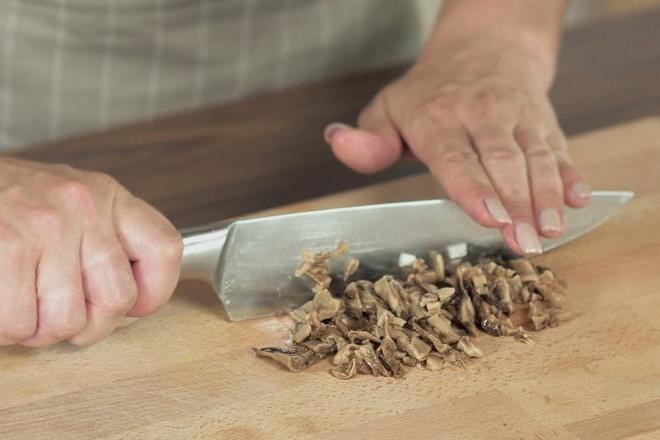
527 30
521 48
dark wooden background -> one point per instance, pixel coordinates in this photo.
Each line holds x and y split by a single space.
234 159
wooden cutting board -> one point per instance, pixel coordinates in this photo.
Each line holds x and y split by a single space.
187 372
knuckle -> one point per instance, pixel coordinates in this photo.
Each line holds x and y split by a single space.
14 247
438 111
69 326
469 196
518 208
453 155
66 329
541 155
119 301
474 193
125 293
18 332
529 137
15 193
557 140
501 154
487 104
563 159
74 192
45 219
63 168
119 290
486 101
104 180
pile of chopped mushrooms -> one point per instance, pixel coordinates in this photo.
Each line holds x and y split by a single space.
428 316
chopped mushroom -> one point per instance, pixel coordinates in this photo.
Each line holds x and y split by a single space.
438 264
295 357
301 331
525 270
502 290
388 289
351 267
467 347
345 371
426 316
466 315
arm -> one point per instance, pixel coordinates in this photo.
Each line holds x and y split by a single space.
474 109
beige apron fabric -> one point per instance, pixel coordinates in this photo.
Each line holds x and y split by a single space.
70 66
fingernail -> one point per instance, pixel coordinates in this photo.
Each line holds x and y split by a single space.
497 211
581 190
528 239
332 129
550 220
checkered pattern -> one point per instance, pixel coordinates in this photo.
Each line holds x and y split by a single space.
69 66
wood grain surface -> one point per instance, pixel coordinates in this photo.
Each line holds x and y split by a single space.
188 373
261 153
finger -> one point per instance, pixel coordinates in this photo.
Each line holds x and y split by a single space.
18 304
506 167
155 249
60 296
546 185
446 150
576 190
108 284
373 146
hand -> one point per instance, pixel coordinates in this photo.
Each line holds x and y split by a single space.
476 112
78 252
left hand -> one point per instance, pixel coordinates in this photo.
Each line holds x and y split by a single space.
476 112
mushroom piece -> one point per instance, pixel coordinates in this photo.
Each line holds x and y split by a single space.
388 352
525 269
351 267
438 264
417 348
420 317
502 290
467 347
434 363
443 328
389 290
295 357
477 280
409 361
466 315
352 301
345 371
356 336
446 293
324 304
538 314
368 356
301 331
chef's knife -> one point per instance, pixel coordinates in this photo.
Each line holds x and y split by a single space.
249 263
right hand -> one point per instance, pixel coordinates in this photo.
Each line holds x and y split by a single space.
78 253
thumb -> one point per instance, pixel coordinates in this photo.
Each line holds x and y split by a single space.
372 147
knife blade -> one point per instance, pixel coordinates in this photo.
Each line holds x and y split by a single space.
250 263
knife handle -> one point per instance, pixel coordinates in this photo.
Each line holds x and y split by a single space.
201 252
